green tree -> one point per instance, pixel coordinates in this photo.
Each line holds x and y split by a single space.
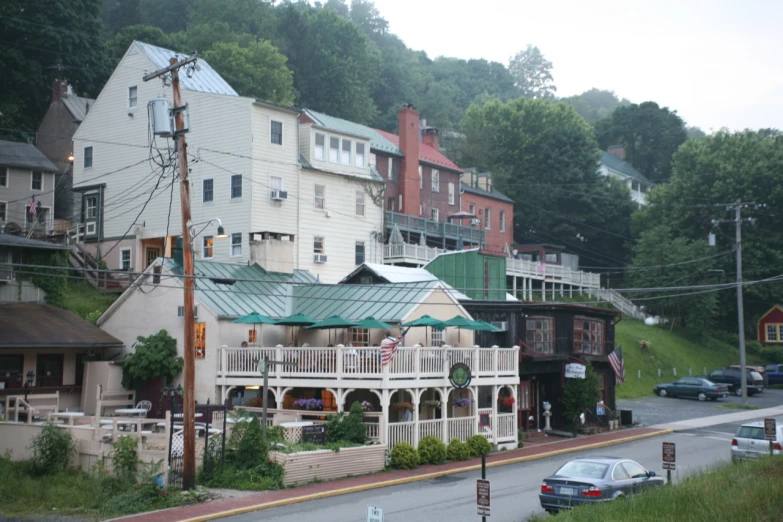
335 65
595 104
118 45
42 41
579 394
257 69
242 16
366 15
694 132
122 14
532 73
170 15
544 157
650 134
154 356
722 168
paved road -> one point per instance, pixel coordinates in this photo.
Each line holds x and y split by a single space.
656 410
514 487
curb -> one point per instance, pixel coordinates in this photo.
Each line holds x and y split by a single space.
417 478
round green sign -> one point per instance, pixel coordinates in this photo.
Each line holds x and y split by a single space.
459 375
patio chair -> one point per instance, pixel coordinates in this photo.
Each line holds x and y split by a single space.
144 405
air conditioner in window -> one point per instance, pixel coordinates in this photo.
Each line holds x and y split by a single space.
503 325
319 258
89 229
6 274
279 195
475 221
181 311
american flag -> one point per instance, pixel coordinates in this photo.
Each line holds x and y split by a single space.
388 349
31 205
541 268
616 360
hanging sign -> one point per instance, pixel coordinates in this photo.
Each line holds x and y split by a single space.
459 375
575 371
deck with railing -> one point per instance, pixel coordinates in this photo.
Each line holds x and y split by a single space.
552 273
239 366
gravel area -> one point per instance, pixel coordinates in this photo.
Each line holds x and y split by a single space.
656 410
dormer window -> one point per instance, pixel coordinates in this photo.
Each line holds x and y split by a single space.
360 156
320 146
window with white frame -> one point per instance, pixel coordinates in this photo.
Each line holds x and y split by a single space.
502 220
87 157
394 165
3 176
359 203
373 160
3 211
435 181
133 96
360 337
276 132
208 247
236 186
208 190
588 335
125 259
320 146
360 155
320 197
91 207
774 332
359 253
318 245
473 209
435 214
452 196
334 149
487 218
436 337
37 181
421 177
399 203
421 209
345 156
539 334
236 244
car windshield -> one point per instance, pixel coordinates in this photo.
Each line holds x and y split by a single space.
707 382
582 468
756 376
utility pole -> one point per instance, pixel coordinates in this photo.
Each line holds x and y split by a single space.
188 398
263 368
740 303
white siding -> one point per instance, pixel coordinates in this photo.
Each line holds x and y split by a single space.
308 137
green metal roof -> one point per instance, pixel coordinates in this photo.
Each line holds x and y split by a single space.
615 163
388 303
267 293
377 140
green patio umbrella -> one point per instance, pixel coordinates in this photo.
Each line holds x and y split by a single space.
371 323
332 323
459 322
254 318
296 320
486 327
427 322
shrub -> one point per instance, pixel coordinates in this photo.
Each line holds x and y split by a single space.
432 450
155 356
479 445
458 450
252 450
404 456
52 450
349 427
124 456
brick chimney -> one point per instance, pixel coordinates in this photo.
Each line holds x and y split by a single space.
408 118
59 89
617 150
430 136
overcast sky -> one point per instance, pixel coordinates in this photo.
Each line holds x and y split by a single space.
719 63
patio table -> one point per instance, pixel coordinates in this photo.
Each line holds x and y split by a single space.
69 416
131 412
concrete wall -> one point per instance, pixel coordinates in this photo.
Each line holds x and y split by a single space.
301 468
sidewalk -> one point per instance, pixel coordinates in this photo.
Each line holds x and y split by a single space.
269 499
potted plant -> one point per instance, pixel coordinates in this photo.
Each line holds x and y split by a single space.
255 402
463 402
367 406
506 400
432 402
309 404
402 406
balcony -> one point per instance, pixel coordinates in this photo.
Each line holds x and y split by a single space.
361 368
409 254
434 230
552 273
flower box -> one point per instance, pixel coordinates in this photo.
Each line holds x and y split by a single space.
463 402
402 406
309 404
307 466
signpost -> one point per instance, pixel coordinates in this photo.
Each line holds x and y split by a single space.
669 460
575 371
374 514
482 491
770 434
315 434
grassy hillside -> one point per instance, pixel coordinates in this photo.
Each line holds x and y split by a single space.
81 298
668 350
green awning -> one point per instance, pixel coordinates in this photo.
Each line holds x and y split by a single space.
426 320
462 322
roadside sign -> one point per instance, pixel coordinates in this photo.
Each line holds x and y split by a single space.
770 429
482 497
374 514
669 456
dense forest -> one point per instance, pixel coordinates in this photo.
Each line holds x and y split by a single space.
339 57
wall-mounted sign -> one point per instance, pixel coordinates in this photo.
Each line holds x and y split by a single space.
575 371
459 375
484 420
315 434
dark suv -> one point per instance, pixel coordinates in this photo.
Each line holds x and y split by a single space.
731 377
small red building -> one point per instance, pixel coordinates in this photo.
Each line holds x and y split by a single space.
770 327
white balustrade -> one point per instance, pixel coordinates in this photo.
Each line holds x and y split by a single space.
462 428
506 428
433 362
486 431
507 361
431 428
243 361
401 431
373 430
486 365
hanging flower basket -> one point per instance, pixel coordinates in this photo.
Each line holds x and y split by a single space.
433 403
367 406
463 402
255 402
506 400
402 406
309 404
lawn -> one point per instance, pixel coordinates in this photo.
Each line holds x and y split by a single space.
86 301
733 492
668 350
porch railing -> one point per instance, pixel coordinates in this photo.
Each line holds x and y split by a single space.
359 363
506 428
431 428
401 431
462 428
557 273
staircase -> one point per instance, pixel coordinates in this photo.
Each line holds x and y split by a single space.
618 301
80 258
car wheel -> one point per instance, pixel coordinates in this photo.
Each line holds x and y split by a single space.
662 392
738 391
702 396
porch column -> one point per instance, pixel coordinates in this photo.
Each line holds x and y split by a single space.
515 408
340 398
561 289
444 393
514 285
543 290
416 396
553 290
570 290
494 423
383 431
474 408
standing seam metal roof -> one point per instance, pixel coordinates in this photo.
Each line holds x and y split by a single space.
206 79
623 167
77 106
377 140
24 156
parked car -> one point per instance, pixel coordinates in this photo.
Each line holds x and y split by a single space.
589 480
774 373
749 442
731 378
693 387
760 369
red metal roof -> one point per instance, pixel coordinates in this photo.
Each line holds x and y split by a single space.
427 153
